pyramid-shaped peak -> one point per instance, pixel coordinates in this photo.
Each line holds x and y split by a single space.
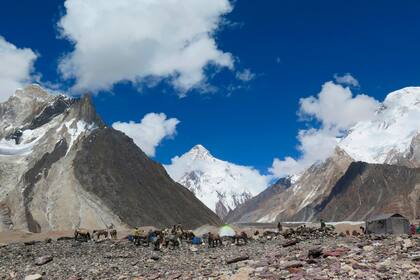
199 151
200 148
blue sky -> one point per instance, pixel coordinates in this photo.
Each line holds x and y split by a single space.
292 48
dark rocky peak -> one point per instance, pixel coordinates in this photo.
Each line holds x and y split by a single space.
85 110
59 105
283 183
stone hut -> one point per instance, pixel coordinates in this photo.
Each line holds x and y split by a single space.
392 223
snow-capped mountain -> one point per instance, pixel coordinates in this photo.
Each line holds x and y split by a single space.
61 167
375 168
388 138
220 185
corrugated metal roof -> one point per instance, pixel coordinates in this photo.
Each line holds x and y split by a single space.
385 216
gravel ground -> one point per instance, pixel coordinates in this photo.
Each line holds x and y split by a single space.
329 257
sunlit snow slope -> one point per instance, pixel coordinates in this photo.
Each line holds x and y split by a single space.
220 185
388 137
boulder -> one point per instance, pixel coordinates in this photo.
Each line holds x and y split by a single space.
33 277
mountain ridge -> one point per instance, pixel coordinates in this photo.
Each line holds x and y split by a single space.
46 143
390 141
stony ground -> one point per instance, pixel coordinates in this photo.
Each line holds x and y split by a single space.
339 257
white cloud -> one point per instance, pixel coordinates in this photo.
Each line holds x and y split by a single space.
133 40
150 132
245 76
346 79
335 106
337 110
16 66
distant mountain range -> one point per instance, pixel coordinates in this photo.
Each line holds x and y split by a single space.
61 167
374 169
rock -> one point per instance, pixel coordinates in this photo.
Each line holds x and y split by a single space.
346 268
407 244
47 240
294 270
33 277
414 271
237 259
29 243
260 269
415 258
43 260
368 248
332 254
242 274
406 266
290 243
315 252
381 267
292 264
155 257
175 276
193 249
64 238
357 265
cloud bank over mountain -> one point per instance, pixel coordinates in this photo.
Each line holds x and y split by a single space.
328 115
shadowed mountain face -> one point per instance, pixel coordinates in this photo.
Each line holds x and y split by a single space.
370 189
134 187
61 168
295 203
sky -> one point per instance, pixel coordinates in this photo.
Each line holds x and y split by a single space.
268 84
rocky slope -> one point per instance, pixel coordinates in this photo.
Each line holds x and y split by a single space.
221 185
296 203
61 167
372 189
391 137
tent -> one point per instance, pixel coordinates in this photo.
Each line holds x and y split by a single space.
388 224
226 231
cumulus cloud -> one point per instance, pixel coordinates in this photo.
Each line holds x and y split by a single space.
346 79
135 40
150 131
336 110
245 76
16 66
335 106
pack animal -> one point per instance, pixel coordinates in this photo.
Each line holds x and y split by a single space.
100 232
113 233
241 236
171 239
81 233
214 240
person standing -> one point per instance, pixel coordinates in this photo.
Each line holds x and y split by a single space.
279 227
